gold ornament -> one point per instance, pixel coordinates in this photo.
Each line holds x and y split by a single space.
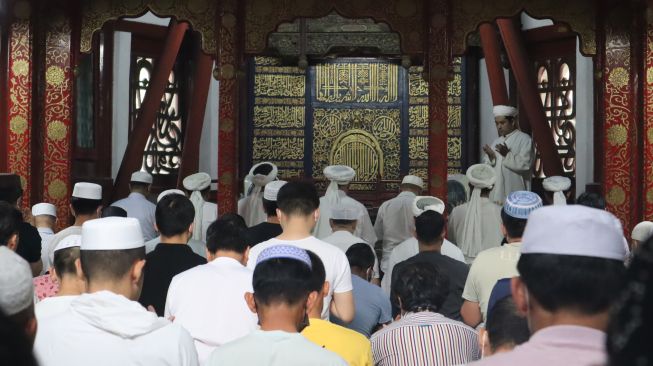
649 196
226 179
57 189
57 130
54 76
18 125
618 77
649 76
616 196
617 135
227 125
20 67
649 136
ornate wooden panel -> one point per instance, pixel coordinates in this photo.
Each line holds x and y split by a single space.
418 117
648 124
455 113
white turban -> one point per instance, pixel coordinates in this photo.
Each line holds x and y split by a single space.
481 176
557 185
504 111
196 183
253 211
338 175
642 231
16 286
427 203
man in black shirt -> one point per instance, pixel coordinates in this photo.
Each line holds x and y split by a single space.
271 228
174 220
430 232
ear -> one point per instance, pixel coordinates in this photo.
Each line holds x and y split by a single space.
246 256
504 232
31 327
519 295
325 289
331 224
316 214
98 211
191 228
443 234
311 300
72 210
137 271
251 303
78 268
484 341
53 273
156 227
12 243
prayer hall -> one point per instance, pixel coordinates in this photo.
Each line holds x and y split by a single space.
326 182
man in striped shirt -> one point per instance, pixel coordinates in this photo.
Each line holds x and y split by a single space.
423 336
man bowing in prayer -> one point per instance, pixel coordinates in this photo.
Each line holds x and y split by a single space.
511 155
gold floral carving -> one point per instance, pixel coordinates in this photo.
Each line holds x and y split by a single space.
649 196
54 75
227 72
57 189
227 125
618 77
57 130
617 135
616 196
20 67
649 76
226 178
18 125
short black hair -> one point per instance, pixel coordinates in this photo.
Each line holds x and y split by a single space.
10 219
270 207
429 226
298 198
109 265
15 345
263 169
360 255
505 326
84 206
174 214
281 281
64 261
514 226
421 286
139 185
227 233
113 211
341 222
11 194
584 284
456 193
318 273
591 199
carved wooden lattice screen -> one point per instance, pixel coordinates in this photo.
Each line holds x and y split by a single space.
454 124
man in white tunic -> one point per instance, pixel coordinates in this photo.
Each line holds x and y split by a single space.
199 185
45 219
336 193
395 221
557 185
251 206
17 293
107 326
511 155
476 225
410 247
137 205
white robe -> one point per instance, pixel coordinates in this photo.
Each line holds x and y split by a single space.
394 223
251 208
46 237
139 207
513 171
364 228
490 225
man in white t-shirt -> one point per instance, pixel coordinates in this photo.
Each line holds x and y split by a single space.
298 210
494 264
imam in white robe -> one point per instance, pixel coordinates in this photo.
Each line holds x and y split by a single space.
490 225
513 171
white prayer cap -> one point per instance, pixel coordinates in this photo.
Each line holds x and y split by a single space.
69 242
557 185
520 204
44 209
481 176
89 191
141 177
260 180
16 286
642 231
504 111
112 233
427 203
272 189
341 174
170 191
414 180
197 182
574 230
344 212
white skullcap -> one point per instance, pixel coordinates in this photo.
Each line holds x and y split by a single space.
89 191
557 185
642 231
141 177
481 176
44 209
504 111
197 182
260 180
341 174
427 203
574 230
272 189
112 233
344 212
414 180
16 286
69 242
170 191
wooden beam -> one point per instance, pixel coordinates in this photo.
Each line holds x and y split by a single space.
191 148
492 51
529 97
133 157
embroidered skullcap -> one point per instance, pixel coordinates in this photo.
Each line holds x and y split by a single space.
284 251
89 191
344 212
141 177
504 111
427 203
170 191
481 176
260 180
112 233
574 230
642 231
520 204
500 291
414 180
69 242
44 209
272 189
16 286
197 182
341 174
557 185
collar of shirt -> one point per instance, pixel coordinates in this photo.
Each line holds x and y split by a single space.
515 244
569 336
137 195
45 230
225 261
506 137
173 247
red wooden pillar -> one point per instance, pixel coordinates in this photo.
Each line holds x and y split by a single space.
648 123
529 96
492 52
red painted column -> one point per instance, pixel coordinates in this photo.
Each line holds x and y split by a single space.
648 124
492 52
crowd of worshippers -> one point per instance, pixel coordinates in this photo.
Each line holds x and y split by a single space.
293 278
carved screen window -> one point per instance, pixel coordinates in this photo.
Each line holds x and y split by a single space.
162 154
556 83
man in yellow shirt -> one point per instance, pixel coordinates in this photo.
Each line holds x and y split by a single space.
355 348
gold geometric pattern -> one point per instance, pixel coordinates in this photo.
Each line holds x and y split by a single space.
616 196
617 135
57 130
18 125
54 75
618 77
20 67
